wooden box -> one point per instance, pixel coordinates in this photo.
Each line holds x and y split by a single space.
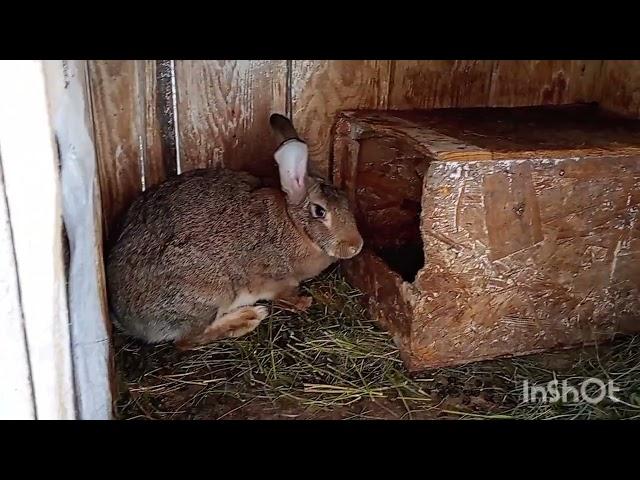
494 232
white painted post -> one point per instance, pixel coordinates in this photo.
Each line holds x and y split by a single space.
16 399
30 169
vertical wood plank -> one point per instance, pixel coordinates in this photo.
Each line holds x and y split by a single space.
160 157
543 82
155 169
320 89
586 76
166 111
619 87
116 101
31 179
440 83
223 113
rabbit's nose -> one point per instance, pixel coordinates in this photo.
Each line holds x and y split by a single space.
348 248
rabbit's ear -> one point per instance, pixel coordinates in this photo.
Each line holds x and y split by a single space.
282 127
292 158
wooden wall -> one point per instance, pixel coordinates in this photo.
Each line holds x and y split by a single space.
156 118
619 87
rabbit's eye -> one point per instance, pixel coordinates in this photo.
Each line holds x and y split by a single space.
317 211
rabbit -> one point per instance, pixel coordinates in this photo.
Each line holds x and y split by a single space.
196 253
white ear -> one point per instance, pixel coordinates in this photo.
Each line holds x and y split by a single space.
291 158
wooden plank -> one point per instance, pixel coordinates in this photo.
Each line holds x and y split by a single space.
161 122
68 99
479 134
159 158
440 83
588 74
619 87
223 113
17 401
118 115
504 193
320 89
543 82
32 189
558 131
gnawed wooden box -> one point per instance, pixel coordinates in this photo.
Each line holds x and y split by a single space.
494 232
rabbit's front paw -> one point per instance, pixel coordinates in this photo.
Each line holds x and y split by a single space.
294 303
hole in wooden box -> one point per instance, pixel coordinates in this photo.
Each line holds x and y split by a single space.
388 198
405 260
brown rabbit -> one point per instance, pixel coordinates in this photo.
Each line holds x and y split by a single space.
197 252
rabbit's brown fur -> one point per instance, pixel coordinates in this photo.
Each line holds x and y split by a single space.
197 252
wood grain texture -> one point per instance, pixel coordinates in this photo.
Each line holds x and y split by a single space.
543 82
118 114
478 134
440 83
223 107
504 193
619 87
223 113
159 160
163 126
320 89
548 277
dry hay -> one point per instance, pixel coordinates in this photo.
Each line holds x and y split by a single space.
333 363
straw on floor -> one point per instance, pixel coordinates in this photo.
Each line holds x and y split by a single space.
333 362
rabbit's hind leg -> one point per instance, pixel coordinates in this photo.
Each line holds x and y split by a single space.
237 323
